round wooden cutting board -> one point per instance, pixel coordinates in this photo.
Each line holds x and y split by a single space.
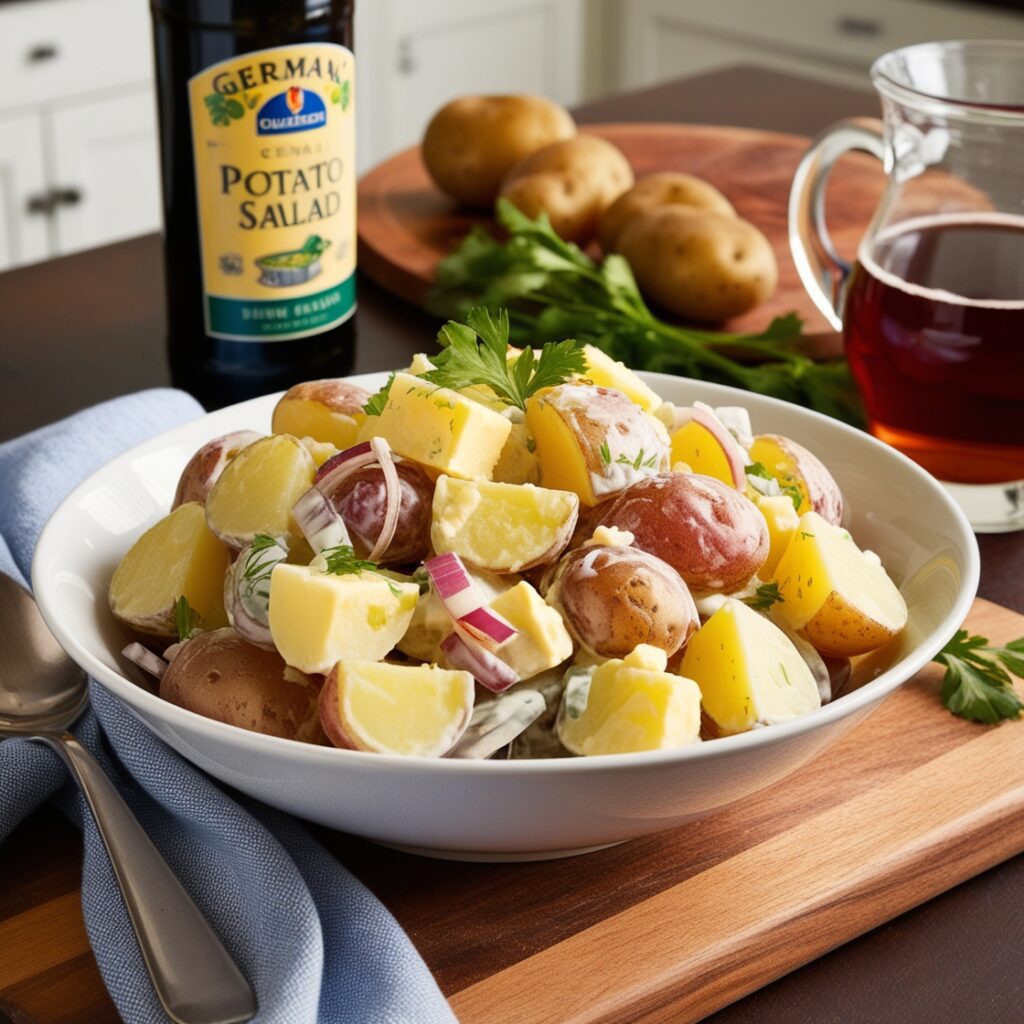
406 225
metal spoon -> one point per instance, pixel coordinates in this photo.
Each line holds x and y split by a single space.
41 693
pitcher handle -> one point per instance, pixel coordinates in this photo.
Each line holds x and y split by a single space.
823 272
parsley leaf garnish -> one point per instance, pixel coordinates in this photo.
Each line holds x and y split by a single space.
606 453
375 403
764 597
186 618
342 561
977 684
757 469
476 352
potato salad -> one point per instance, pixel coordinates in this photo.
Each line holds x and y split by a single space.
502 553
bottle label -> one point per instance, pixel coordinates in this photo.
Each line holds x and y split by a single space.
274 139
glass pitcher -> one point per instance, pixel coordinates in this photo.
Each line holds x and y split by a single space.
932 311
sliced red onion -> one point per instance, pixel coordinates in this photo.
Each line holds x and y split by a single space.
496 723
486 626
489 671
340 467
321 523
145 659
465 604
735 455
392 496
248 605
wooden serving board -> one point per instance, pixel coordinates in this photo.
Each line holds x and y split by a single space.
406 225
664 929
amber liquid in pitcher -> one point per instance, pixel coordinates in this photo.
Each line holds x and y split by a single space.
934 330
191 37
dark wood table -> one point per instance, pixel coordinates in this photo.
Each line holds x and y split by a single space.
89 327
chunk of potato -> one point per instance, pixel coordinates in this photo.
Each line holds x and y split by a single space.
541 641
205 467
712 535
518 462
416 710
472 142
318 619
633 704
748 671
220 676
177 557
704 444
329 410
614 598
501 527
609 373
834 595
667 188
795 467
439 428
593 441
258 489
783 522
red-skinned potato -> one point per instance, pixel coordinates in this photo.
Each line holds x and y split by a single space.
361 500
613 598
329 410
712 535
205 467
220 676
794 466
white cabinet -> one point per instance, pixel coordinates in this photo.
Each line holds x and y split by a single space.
104 151
24 235
78 141
418 55
829 39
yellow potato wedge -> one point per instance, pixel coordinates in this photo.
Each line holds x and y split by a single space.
503 528
328 410
834 595
748 670
177 557
258 489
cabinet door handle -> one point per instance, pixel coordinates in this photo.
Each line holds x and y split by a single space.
865 28
46 203
41 53
68 196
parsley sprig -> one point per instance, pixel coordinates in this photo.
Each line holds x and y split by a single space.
977 684
375 403
764 597
186 619
555 290
759 471
476 352
341 561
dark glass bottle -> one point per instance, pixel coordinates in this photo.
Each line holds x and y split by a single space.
257 131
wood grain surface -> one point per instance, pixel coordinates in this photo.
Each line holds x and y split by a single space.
664 929
406 225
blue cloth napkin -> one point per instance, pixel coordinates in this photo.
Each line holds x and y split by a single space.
314 943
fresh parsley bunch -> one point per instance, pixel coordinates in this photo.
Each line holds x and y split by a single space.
556 291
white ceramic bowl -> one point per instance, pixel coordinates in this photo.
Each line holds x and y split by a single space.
513 809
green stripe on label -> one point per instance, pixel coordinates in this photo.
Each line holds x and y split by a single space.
270 319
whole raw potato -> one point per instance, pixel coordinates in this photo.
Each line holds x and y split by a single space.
667 188
703 266
712 535
220 676
472 142
573 181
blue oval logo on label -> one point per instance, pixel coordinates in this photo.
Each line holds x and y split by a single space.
294 110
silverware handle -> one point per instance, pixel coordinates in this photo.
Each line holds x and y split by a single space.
194 977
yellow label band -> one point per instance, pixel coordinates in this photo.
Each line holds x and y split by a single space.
274 139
